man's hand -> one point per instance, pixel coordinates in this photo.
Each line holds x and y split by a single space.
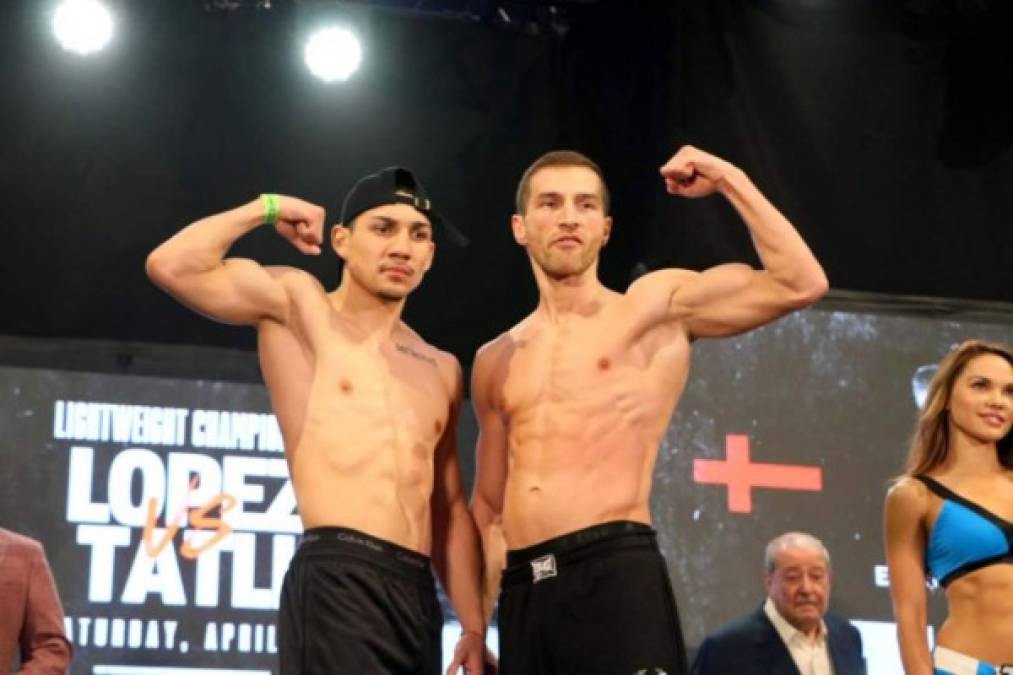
694 173
301 223
469 654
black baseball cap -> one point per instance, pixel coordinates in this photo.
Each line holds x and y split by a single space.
395 185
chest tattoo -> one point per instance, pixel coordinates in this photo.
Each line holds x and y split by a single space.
405 349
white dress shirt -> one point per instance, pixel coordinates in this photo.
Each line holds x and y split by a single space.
811 655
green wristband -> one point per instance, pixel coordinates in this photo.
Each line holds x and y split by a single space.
271 207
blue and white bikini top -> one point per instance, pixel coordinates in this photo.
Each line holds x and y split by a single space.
965 536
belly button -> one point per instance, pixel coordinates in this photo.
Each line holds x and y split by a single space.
345 385
604 363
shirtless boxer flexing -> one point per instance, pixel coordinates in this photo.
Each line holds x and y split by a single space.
572 403
368 413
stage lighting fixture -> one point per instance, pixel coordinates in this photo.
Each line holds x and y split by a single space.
83 26
333 53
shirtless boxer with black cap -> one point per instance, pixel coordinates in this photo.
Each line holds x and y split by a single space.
368 413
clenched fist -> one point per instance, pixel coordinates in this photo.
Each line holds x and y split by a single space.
301 223
694 173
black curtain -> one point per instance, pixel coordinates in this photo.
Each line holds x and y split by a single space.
881 129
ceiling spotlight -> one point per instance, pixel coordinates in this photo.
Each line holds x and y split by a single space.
333 54
82 26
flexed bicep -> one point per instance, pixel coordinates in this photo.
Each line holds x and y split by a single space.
724 300
239 291
734 298
731 299
191 265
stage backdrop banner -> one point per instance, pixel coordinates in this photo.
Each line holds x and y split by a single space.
168 518
165 509
800 425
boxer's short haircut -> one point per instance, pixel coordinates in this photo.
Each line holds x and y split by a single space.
560 158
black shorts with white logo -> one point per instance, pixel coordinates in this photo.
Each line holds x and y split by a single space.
352 603
596 601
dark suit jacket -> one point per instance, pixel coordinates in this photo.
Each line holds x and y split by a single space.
31 617
751 646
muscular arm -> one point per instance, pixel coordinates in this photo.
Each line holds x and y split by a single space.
44 648
456 554
731 299
191 266
903 517
490 477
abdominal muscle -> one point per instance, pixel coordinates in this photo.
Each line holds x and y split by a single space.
584 422
356 453
569 471
980 621
364 486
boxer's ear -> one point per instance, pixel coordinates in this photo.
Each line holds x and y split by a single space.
339 239
519 229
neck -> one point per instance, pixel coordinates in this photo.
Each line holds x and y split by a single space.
972 455
810 630
375 315
812 633
561 296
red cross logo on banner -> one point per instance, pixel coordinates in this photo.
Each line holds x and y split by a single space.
741 475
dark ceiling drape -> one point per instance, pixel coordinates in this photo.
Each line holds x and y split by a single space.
881 129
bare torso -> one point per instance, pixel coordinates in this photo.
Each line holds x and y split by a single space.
980 617
360 417
585 400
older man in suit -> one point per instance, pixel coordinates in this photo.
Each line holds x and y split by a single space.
31 616
791 633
